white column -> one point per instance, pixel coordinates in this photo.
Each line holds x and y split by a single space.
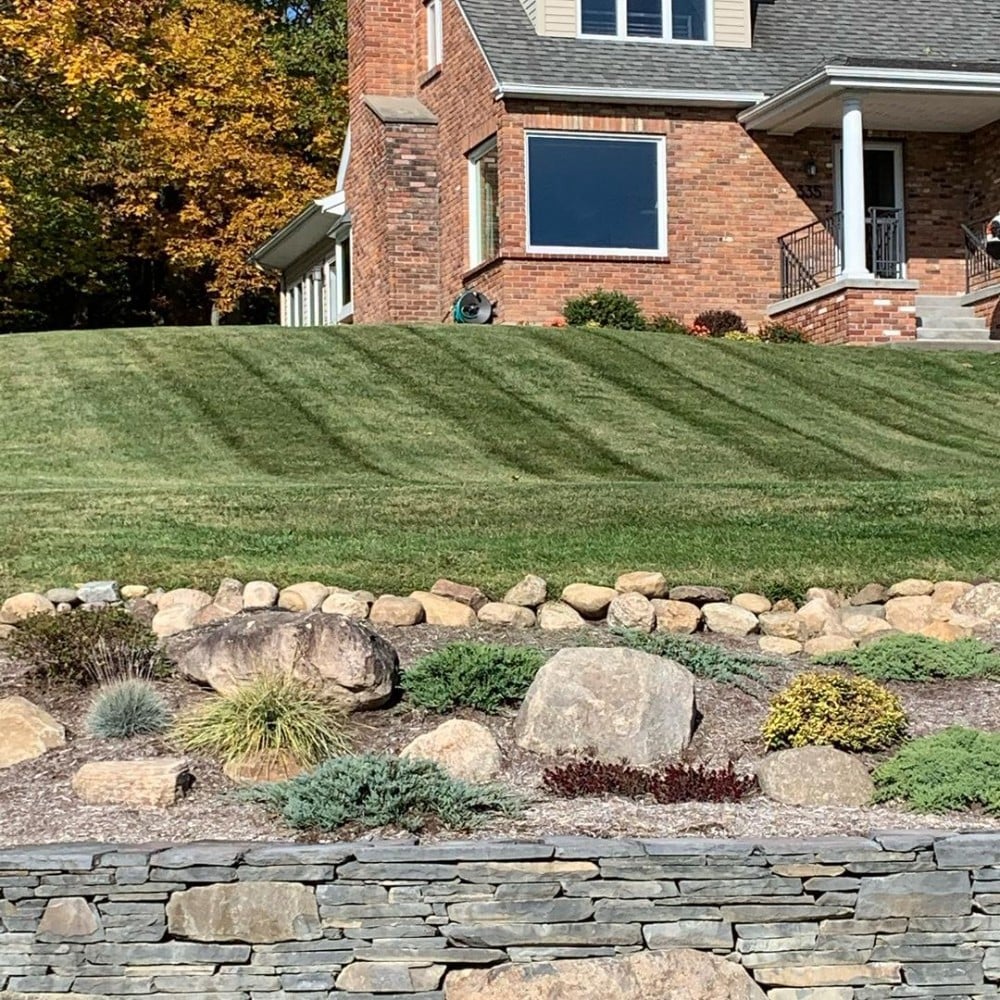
853 184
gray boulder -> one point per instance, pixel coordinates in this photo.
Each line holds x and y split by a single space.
611 703
344 659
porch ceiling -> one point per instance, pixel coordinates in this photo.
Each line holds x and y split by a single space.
898 100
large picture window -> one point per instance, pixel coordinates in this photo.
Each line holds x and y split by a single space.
596 193
673 20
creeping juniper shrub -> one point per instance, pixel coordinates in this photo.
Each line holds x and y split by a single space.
472 675
702 658
850 713
127 708
919 658
954 769
615 310
87 647
673 783
377 790
718 322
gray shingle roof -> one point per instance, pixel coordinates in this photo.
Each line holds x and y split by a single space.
791 39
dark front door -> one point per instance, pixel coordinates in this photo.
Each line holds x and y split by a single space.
883 212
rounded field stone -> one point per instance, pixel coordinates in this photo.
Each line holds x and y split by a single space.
815 776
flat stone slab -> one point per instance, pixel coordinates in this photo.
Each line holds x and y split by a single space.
150 784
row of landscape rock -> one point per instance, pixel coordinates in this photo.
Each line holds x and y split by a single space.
828 621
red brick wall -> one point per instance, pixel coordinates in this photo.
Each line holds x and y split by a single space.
856 316
989 310
984 172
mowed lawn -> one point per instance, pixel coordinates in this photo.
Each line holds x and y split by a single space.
386 456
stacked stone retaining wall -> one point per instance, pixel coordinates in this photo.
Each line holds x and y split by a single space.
900 915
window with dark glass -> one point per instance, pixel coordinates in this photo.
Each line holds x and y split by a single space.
677 20
599 17
596 193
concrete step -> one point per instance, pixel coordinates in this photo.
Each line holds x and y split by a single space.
951 333
938 301
947 345
951 321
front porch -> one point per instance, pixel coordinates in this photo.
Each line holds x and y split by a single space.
896 250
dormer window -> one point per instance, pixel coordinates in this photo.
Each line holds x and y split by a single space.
668 20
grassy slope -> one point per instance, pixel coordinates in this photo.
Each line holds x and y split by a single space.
383 456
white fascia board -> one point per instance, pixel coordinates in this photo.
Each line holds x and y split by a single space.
269 254
780 108
615 95
345 159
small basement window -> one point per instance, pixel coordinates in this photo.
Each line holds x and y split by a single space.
601 194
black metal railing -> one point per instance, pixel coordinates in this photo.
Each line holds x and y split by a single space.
812 255
981 269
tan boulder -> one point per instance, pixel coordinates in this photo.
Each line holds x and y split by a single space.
947 592
15 609
822 644
259 594
783 625
909 614
307 596
590 601
697 594
186 597
444 611
511 615
396 611
728 619
208 615
265 765
757 603
815 776
824 594
133 591
776 646
615 704
170 621
343 659
784 604
644 582
555 615
871 593
861 626
817 615
254 912
983 601
530 592
465 749
946 631
345 603
154 783
632 610
69 918
644 975
229 596
464 593
677 617
26 731
912 588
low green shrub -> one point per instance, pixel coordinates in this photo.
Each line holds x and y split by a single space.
472 675
274 712
376 790
850 713
717 322
663 323
781 333
742 336
605 309
127 708
954 769
87 647
919 658
703 659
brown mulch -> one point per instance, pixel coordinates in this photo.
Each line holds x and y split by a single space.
37 804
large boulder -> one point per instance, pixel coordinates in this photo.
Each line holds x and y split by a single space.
611 703
909 614
815 776
465 749
645 975
344 659
15 609
982 601
26 731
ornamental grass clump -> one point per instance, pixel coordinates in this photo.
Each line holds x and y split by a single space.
919 658
376 790
672 783
127 708
472 675
850 713
272 713
954 769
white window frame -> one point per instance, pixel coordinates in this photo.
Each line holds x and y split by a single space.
344 310
475 205
661 187
435 33
621 25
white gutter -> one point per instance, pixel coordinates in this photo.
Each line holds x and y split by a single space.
693 98
821 85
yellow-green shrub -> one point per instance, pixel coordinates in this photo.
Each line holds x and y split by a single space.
852 713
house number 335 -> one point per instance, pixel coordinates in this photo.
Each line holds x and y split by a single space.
809 190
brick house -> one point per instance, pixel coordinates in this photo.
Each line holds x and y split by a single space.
829 165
